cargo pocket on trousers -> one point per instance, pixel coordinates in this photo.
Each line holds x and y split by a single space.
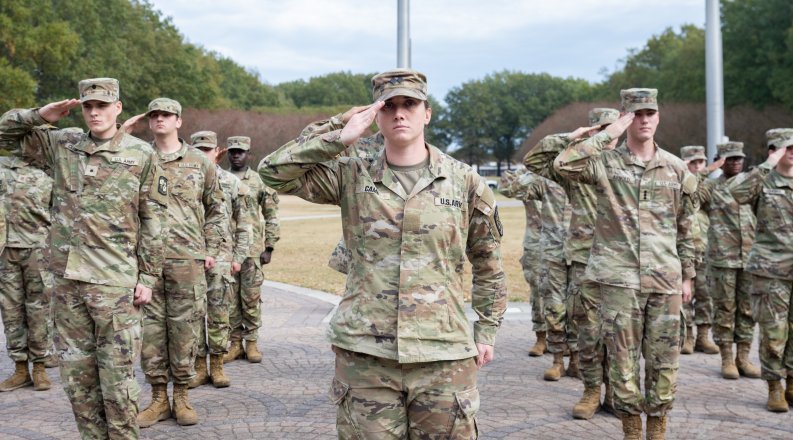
345 426
126 335
464 426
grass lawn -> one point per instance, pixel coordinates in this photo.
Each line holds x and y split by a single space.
301 256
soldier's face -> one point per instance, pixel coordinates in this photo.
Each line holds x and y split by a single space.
787 159
402 119
211 153
238 158
644 125
696 165
100 116
163 123
732 166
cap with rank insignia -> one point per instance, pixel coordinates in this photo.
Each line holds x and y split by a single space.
99 89
238 143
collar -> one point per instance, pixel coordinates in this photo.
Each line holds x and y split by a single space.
659 158
780 181
178 154
436 165
88 145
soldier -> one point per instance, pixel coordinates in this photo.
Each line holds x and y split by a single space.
730 238
220 279
25 281
245 310
406 360
700 310
642 256
106 251
769 189
528 262
193 234
583 298
552 282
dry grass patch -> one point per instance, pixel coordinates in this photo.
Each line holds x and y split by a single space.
301 257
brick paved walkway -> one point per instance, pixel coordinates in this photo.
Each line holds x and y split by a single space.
284 397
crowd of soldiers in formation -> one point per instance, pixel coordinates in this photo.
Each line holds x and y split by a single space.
114 247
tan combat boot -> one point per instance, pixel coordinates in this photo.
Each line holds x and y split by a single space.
656 427
184 412
572 367
557 369
745 366
632 427
40 380
540 346
51 361
776 399
158 410
703 344
20 378
688 343
252 352
235 351
219 378
586 408
201 373
728 368
789 390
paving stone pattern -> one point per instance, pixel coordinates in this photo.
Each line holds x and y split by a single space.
284 397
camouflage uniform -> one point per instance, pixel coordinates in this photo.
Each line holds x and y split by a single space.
192 230
730 237
105 239
245 312
25 281
771 264
403 309
553 267
531 253
641 252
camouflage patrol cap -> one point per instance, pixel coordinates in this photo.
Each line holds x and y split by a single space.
603 116
693 152
730 149
238 143
779 137
99 89
204 139
399 82
638 99
167 105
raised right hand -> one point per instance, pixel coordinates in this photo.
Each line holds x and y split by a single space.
129 125
359 123
619 126
776 156
54 111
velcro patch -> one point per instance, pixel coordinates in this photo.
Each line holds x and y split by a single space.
668 184
443 201
774 191
189 165
622 176
162 185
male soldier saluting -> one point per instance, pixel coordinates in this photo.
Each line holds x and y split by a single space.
245 309
25 281
193 233
406 360
106 251
642 256
240 216
730 237
769 189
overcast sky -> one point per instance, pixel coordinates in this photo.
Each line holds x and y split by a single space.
452 41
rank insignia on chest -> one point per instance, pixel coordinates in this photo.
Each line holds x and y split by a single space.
91 170
162 185
442 201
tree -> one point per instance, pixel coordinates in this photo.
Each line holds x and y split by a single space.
496 113
340 88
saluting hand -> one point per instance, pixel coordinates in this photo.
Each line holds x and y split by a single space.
581 131
345 117
715 165
54 111
776 156
359 123
619 126
129 125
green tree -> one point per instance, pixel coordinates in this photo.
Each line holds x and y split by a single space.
339 88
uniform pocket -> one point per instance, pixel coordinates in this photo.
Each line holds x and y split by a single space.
464 426
338 390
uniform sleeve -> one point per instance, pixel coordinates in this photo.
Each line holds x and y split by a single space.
748 191
272 228
323 126
580 161
704 191
505 184
307 168
528 187
685 221
483 248
17 127
539 160
214 211
243 213
152 207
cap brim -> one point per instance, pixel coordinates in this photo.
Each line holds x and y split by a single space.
641 106
204 145
238 147
784 143
161 110
733 154
412 93
697 157
98 97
